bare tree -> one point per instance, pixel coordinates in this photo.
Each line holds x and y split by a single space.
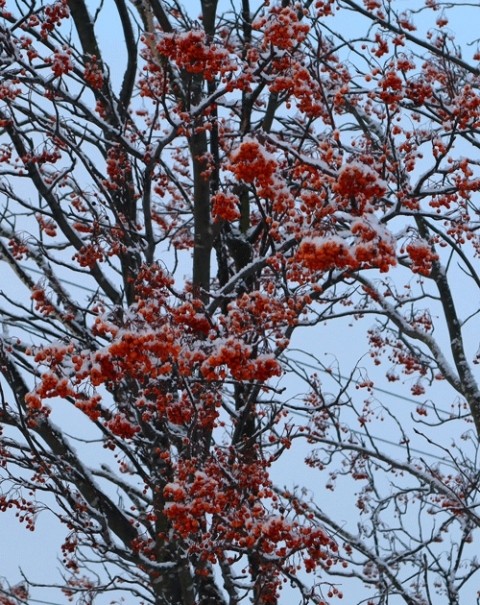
196 205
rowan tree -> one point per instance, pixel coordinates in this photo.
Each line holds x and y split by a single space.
188 197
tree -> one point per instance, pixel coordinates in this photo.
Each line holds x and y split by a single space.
303 174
